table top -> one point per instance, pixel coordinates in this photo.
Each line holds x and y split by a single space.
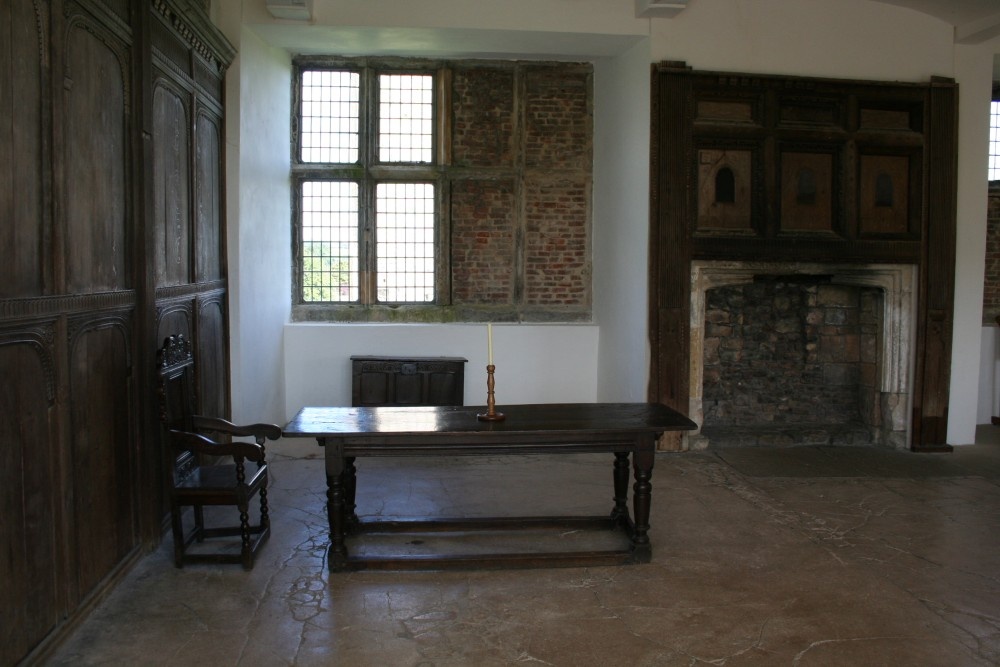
554 418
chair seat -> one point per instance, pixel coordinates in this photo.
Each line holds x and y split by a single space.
220 479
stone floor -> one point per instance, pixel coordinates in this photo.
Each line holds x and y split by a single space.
802 556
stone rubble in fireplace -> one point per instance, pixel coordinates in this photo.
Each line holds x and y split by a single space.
791 360
787 354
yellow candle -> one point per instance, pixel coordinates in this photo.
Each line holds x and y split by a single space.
489 342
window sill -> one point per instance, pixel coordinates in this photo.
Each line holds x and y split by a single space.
420 314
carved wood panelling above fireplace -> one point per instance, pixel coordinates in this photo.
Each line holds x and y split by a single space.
793 170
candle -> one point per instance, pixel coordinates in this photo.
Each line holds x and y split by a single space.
489 342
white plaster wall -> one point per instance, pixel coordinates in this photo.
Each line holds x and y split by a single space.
840 39
411 23
974 73
534 364
621 223
259 241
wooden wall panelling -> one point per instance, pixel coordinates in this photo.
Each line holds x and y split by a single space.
937 277
879 184
212 336
193 247
96 198
171 183
210 246
188 61
23 85
78 301
671 184
29 496
102 455
95 205
33 559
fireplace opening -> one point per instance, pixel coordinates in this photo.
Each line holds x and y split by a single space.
791 360
786 354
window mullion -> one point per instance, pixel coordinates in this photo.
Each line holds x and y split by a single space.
366 234
369 155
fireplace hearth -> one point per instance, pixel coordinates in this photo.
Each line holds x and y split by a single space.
786 354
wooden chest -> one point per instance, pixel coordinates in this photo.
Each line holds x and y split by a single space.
380 380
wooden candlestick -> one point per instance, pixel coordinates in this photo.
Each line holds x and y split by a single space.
491 414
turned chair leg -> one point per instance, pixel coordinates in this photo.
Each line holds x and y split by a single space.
199 523
265 518
178 530
245 552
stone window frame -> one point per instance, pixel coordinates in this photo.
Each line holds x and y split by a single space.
445 308
368 172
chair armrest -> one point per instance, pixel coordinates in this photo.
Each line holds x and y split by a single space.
258 431
198 443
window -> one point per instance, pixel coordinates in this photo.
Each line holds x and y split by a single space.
994 173
366 188
441 191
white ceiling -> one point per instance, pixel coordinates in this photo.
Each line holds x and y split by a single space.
975 21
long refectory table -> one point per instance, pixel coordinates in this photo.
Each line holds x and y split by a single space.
624 429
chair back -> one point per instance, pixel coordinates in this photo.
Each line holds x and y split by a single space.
175 364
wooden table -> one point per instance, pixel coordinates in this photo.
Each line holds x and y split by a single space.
620 428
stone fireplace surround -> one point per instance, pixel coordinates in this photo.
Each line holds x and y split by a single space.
897 283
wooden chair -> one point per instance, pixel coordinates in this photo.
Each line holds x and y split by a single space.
208 471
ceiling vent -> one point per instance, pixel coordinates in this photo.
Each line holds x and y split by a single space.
648 9
296 10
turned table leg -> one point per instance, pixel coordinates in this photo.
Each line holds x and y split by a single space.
642 465
620 512
335 501
350 475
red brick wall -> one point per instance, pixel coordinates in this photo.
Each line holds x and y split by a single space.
482 244
557 120
557 258
483 121
521 152
991 287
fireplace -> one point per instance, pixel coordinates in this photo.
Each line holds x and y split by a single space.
801 353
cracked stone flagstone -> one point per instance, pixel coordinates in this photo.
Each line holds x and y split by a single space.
812 556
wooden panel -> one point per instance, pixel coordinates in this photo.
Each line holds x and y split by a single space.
884 195
96 202
212 356
407 380
884 119
725 190
210 258
171 187
806 192
166 45
814 112
103 519
21 180
28 496
174 319
732 111
936 312
208 77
